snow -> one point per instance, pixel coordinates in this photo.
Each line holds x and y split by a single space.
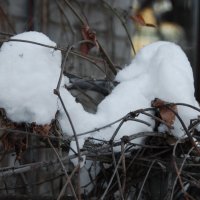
29 73
160 70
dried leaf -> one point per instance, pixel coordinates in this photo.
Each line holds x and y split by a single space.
151 25
90 35
165 113
18 141
140 20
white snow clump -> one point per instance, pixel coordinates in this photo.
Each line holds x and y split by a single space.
29 73
160 70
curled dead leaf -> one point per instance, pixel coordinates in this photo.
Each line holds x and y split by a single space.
140 20
165 111
90 35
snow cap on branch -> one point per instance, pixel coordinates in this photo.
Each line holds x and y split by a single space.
28 75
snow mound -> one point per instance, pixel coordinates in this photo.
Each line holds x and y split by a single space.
28 75
160 70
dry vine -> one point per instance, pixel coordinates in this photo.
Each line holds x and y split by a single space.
162 159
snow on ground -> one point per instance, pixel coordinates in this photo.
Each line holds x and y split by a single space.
29 73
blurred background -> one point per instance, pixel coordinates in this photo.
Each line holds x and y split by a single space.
145 20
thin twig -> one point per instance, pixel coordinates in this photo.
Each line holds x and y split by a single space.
32 42
144 181
44 18
62 68
123 166
63 168
75 12
91 61
185 129
111 179
7 19
85 23
117 129
156 118
117 173
122 22
107 58
178 171
6 34
134 113
62 10
67 182
57 92
61 49
184 104
15 131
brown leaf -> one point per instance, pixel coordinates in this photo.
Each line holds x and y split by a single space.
90 35
151 25
140 20
165 113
